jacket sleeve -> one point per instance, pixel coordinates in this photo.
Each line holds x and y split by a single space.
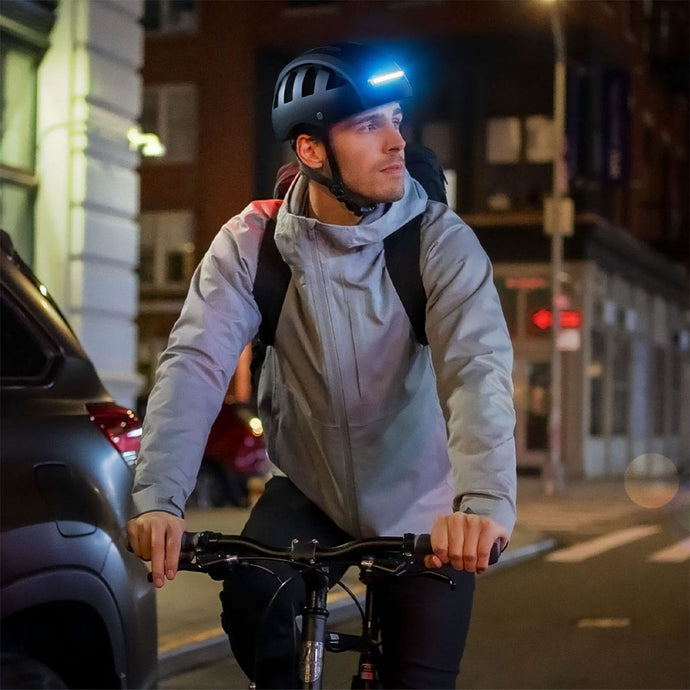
472 357
218 319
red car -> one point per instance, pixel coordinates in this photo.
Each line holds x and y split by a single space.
235 453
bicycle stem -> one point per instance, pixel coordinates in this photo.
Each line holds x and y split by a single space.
314 617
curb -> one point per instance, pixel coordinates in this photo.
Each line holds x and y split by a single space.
188 656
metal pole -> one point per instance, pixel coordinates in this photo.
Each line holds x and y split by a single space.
554 476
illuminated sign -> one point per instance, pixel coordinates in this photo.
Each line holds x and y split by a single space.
570 318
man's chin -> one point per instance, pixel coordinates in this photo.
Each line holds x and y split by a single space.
385 197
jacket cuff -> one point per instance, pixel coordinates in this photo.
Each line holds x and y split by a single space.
499 510
147 500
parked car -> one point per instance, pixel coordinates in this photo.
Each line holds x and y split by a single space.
77 610
234 461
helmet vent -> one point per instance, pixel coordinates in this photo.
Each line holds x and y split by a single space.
289 87
309 82
335 81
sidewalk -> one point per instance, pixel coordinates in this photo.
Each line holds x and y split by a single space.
188 608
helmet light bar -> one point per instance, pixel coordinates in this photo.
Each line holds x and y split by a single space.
384 78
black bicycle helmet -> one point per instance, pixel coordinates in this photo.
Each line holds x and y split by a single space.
328 84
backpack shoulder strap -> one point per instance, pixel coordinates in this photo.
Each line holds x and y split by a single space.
270 284
401 249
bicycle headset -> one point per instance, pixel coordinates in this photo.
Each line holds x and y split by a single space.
329 84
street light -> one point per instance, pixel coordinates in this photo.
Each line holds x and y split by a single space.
558 222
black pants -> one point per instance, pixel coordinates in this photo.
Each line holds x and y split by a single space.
423 622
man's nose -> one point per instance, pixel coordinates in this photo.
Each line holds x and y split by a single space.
395 140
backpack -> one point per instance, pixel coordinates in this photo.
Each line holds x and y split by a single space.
401 249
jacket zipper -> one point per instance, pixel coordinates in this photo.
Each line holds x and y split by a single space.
334 373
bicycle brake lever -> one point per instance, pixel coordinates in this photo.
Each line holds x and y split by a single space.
439 576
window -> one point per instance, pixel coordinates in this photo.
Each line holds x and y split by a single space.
657 390
621 393
169 16
167 251
596 383
676 394
170 111
510 140
539 403
18 182
22 356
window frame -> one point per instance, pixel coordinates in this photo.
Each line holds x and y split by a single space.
163 94
49 349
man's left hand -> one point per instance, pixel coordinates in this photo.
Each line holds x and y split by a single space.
464 540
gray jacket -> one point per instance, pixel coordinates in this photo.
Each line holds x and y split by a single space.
382 433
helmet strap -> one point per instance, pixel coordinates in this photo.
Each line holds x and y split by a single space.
335 184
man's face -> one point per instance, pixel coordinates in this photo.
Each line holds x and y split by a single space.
371 153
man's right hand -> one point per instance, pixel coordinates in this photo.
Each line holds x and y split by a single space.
156 537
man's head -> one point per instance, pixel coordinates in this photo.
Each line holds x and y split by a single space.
339 107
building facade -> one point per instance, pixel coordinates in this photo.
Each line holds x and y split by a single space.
69 186
484 101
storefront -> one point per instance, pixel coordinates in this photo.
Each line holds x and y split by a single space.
624 347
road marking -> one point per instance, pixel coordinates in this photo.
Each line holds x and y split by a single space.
594 547
676 553
603 623
168 642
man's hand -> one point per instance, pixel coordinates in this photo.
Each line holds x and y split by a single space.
156 537
464 540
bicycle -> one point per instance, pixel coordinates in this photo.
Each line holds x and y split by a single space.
215 554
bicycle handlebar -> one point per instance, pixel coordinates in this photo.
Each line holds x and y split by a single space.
201 551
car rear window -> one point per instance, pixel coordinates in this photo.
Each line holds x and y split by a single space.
21 353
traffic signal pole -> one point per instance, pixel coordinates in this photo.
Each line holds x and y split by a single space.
554 474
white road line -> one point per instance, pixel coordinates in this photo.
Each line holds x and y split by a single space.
676 553
594 547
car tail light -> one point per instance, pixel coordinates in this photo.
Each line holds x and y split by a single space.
120 426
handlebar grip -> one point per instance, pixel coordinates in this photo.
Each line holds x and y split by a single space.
422 547
495 553
190 540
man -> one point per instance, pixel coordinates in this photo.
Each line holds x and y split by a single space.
370 432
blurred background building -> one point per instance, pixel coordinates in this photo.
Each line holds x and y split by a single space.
69 187
482 71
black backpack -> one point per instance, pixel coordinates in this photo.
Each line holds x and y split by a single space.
401 250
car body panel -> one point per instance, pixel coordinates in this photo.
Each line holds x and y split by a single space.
72 595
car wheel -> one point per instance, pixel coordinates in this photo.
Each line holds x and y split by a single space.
18 670
210 490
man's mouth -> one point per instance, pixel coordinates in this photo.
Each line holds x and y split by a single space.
397 168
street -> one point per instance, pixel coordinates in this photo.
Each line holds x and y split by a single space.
615 620
610 612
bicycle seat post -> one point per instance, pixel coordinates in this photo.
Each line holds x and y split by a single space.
314 617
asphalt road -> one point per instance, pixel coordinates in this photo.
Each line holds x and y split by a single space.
613 612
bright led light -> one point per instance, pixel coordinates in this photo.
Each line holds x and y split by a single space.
43 290
149 144
383 78
256 426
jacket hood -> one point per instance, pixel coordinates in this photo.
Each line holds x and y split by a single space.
387 218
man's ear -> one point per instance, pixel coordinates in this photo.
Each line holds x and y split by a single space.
310 151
